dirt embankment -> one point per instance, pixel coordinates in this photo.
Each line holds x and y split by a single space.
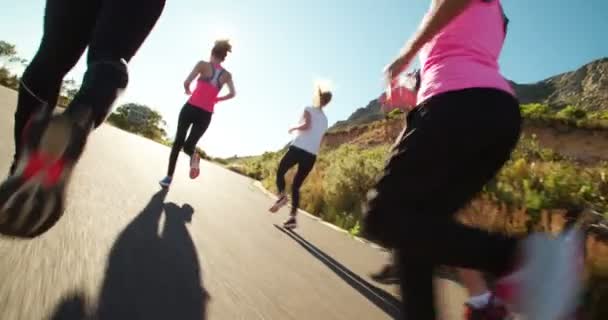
584 145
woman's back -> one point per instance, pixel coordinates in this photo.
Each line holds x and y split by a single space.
210 81
465 53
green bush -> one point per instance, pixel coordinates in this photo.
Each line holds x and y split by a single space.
571 112
351 172
535 110
570 116
550 185
535 178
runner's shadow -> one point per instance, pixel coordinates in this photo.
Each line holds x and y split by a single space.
383 300
149 275
72 307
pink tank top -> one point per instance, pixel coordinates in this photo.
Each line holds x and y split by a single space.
207 90
465 53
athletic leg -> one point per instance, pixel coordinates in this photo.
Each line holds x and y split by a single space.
200 123
482 303
121 28
68 25
199 127
417 288
33 199
183 123
306 162
389 273
289 160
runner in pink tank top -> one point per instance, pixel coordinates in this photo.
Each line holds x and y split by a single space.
196 113
462 131
207 89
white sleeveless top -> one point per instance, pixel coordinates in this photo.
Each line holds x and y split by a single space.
310 140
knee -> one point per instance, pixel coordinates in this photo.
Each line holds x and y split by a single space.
189 149
42 74
49 64
113 74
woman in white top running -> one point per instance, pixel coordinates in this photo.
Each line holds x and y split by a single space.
302 151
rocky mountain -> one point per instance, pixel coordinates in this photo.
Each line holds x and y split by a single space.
586 87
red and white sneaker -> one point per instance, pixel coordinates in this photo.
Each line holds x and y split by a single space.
548 283
195 161
493 310
32 200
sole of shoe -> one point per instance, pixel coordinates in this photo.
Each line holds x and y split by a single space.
290 226
32 200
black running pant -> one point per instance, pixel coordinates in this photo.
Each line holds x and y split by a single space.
111 29
454 144
195 119
305 161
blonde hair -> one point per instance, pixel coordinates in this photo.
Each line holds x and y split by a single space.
221 48
323 98
322 94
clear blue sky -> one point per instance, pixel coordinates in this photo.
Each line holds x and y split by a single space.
281 47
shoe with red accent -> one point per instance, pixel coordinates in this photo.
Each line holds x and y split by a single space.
32 199
195 161
493 310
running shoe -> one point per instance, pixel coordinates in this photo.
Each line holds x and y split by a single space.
282 201
493 310
548 283
290 223
165 182
32 199
195 161
387 275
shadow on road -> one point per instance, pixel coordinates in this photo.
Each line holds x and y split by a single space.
71 308
150 275
383 300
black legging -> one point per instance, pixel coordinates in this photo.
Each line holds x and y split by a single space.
453 145
305 162
113 30
199 119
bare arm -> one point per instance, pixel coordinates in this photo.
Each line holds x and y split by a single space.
304 123
198 68
231 91
443 12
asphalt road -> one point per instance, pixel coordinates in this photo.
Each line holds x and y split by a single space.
207 249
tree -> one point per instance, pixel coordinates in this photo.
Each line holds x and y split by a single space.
140 119
7 50
8 54
69 88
